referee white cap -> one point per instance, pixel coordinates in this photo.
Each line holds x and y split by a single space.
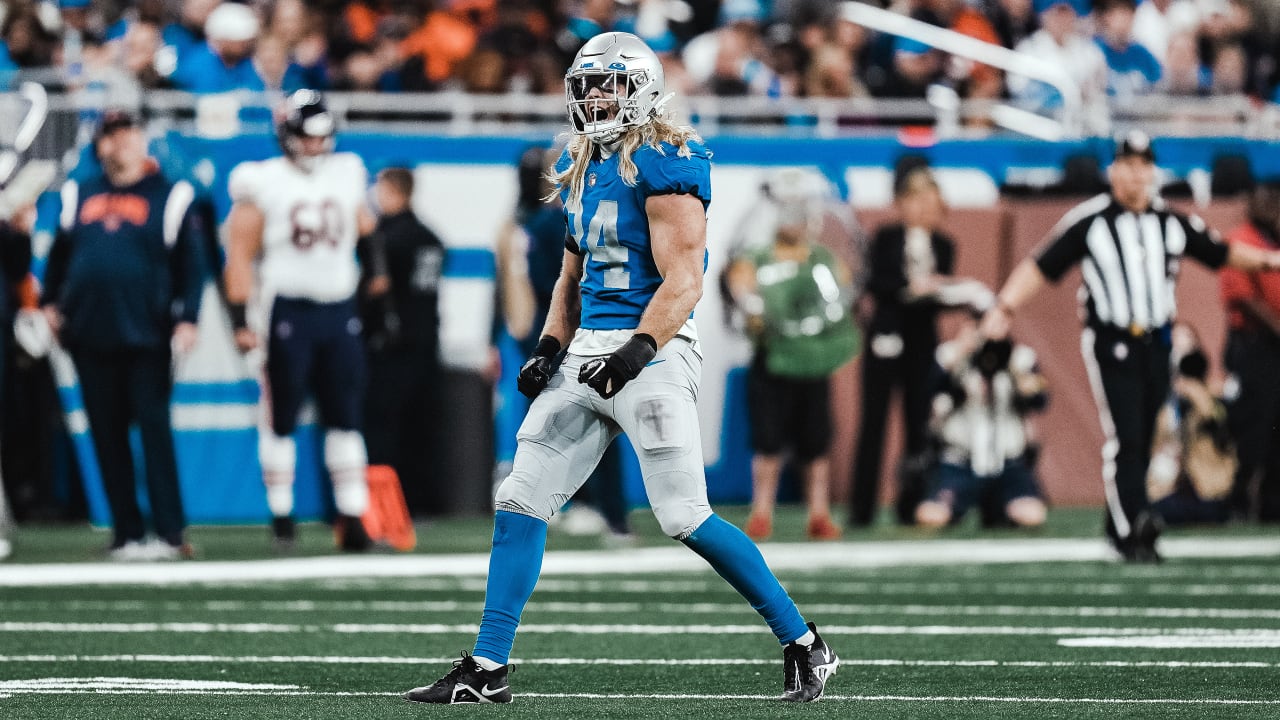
1135 143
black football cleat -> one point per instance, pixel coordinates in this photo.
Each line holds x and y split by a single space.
1140 546
806 669
283 533
467 682
352 536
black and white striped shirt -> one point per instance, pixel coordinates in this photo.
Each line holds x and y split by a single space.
1129 261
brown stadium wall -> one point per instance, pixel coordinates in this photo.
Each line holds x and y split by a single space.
989 243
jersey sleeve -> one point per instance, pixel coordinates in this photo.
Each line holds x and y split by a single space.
669 173
1203 244
1065 247
245 183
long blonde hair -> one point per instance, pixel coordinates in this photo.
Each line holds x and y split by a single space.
655 132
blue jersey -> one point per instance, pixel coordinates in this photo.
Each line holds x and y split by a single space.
611 229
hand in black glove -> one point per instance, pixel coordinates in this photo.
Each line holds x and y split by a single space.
607 375
538 369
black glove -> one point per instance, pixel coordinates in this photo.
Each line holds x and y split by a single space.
538 369
607 375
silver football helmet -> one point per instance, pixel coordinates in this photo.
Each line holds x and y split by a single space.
615 82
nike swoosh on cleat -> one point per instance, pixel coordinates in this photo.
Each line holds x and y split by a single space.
485 691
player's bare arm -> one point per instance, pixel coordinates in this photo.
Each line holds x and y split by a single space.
244 232
678 232
562 320
566 301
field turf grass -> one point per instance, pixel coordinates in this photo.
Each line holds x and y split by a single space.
1196 637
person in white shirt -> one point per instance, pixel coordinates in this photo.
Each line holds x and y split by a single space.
1061 42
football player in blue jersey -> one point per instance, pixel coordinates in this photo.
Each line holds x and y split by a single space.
635 189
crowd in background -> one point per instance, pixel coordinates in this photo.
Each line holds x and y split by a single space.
1116 49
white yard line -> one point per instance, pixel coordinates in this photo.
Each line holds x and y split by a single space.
621 608
1166 642
659 560
623 662
1266 635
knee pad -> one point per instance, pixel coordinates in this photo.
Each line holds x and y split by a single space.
516 494
677 513
277 455
343 450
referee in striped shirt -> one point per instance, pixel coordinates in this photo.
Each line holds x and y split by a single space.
1128 244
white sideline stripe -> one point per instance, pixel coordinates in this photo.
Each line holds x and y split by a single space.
624 662
657 560
626 629
916 698
672 696
1162 642
620 608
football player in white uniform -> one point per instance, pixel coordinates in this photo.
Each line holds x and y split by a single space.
300 216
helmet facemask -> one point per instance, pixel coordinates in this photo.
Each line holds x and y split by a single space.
604 103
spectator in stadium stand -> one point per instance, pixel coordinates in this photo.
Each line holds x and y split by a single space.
907 263
1157 22
1193 462
981 408
225 61
1062 42
188 33
143 11
1132 69
25 39
402 337
139 48
922 65
122 292
271 61
1252 357
447 36
1013 20
1184 74
795 294
732 58
293 25
1230 70
1129 305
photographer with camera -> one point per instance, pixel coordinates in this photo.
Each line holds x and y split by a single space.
987 389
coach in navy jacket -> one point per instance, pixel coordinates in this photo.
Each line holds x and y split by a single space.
122 291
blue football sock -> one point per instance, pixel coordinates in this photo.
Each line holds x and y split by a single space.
739 561
514 564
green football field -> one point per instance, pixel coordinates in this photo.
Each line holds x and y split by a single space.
968 625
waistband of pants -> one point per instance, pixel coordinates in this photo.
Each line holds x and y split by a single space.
1134 332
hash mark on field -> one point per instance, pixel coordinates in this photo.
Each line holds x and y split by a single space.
624 662
621 608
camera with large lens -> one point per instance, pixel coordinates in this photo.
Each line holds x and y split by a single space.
993 357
